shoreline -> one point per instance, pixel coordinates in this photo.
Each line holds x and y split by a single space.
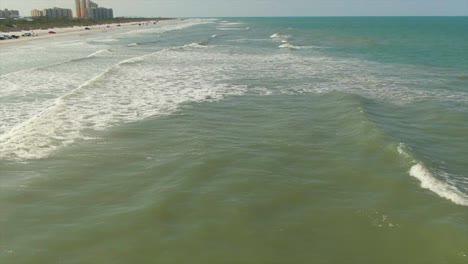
42 34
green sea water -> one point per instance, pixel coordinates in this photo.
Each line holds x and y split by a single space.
240 140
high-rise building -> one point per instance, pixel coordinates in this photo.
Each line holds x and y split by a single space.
89 9
9 13
37 13
100 13
83 4
55 13
91 4
78 8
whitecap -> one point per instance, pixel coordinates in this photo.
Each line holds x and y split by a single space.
276 35
231 23
99 52
105 40
441 188
230 28
196 45
289 46
292 46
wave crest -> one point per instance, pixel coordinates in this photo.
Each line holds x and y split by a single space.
442 189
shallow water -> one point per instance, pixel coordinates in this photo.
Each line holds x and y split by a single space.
285 140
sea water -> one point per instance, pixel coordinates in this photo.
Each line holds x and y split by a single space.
240 140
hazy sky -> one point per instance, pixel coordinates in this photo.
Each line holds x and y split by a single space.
219 8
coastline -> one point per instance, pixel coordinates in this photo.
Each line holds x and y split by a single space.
42 34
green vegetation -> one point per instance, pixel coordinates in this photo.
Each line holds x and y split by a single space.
9 25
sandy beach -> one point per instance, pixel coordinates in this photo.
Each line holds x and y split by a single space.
68 31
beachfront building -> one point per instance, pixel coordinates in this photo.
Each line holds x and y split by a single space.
9 13
56 13
82 7
100 13
91 10
91 4
37 13
78 8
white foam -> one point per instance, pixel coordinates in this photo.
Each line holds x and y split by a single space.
276 35
105 40
249 40
132 45
133 60
23 96
125 92
289 46
442 189
225 23
99 52
230 28
445 187
13 60
170 26
280 36
197 45
402 150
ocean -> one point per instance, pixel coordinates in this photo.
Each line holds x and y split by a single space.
238 140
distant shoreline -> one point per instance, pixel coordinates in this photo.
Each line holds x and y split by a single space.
40 34
12 26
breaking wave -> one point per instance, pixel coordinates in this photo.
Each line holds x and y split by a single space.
442 187
126 92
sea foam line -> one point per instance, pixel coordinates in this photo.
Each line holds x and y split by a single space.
170 26
430 182
57 63
98 52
